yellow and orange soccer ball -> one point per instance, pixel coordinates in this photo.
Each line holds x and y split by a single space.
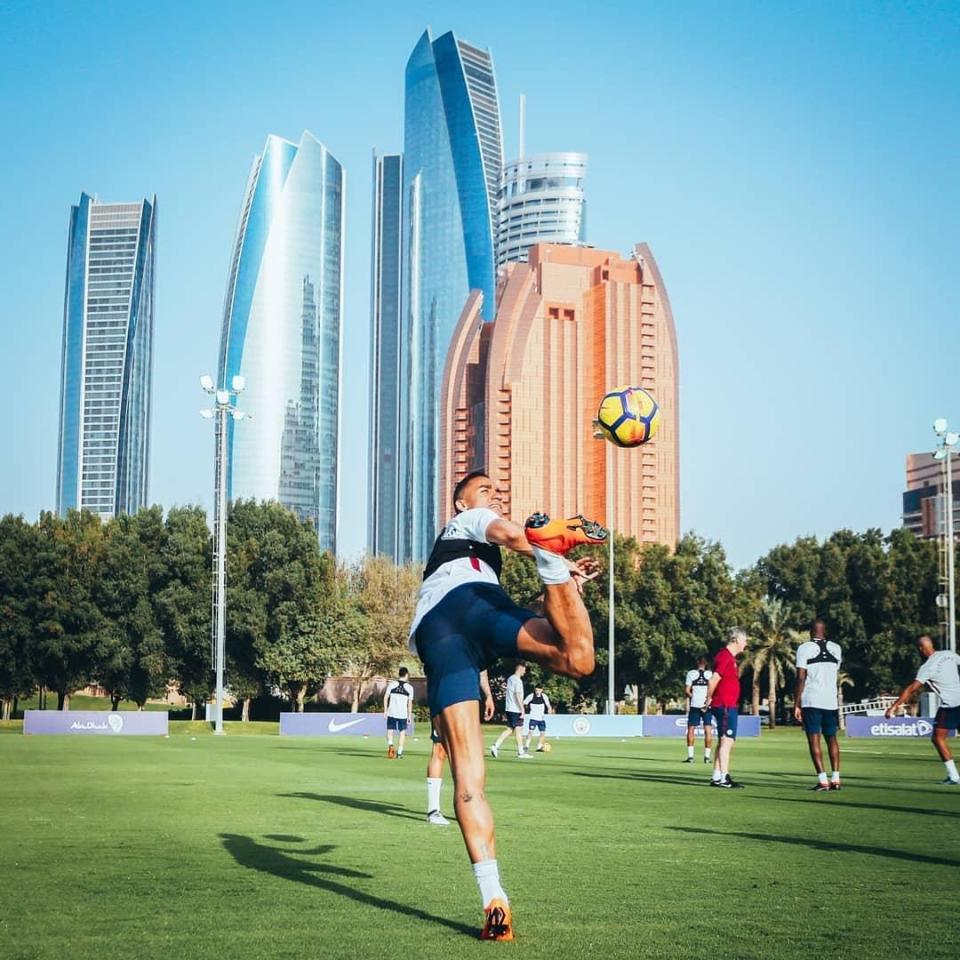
628 416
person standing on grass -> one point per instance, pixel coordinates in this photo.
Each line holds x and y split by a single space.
817 705
438 755
513 707
939 673
538 706
723 698
398 709
695 685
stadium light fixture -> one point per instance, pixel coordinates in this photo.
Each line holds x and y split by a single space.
948 439
223 409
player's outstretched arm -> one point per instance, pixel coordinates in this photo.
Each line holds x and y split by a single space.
798 693
488 707
506 533
906 694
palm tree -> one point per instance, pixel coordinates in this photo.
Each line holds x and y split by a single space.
843 680
773 650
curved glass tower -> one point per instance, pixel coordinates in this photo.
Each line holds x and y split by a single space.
282 332
107 358
452 156
540 201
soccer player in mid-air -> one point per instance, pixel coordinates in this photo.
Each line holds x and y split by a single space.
513 707
939 673
723 698
398 709
464 621
817 704
438 755
695 685
538 706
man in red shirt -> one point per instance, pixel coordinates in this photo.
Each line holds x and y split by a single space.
723 698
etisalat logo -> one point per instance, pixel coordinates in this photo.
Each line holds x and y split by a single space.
114 723
915 728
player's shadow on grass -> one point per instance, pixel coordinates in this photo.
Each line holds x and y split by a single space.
356 803
827 846
841 804
288 865
701 781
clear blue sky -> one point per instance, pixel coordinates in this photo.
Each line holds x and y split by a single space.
794 168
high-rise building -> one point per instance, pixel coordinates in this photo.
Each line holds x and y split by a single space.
107 357
519 395
385 354
540 201
452 158
924 507
282 332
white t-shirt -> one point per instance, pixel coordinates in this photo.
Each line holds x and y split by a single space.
939 672
536 711
399 699
514 702
820 687
469 525
698 692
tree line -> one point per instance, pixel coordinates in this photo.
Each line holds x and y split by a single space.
126 604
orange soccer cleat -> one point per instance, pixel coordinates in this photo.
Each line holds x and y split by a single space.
561 536
391 752
498 924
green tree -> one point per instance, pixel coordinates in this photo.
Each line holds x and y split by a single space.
17 568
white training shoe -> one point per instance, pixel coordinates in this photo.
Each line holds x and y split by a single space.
494 751
524 756
437 819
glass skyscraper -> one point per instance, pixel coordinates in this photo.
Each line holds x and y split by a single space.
385 354
452 159
541 201
107 357
282 333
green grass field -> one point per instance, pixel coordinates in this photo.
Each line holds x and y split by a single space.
262 847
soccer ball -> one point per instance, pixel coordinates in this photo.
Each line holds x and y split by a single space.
628 416
546 746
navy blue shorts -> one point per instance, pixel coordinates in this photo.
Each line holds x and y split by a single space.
514 720
726 718
817 721
540 725
947 718
698 715
397 723
471 627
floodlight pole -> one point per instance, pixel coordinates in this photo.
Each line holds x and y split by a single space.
611 507
948 440
222 410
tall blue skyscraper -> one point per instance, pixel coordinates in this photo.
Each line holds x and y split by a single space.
385 354
452 158
282 332
107 357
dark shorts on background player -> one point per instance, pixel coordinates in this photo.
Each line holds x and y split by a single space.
698 715
726 718
514 720
397 723
471 627
434 736
816 720
540 725
947 718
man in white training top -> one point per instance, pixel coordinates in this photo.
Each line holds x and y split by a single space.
513 707
817 705
398 709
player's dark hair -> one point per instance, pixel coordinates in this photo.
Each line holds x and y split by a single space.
818 622
404 672
462 484
701 661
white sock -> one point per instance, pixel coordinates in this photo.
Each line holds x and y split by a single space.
689 751
724 774
951 769
822 777
433 793
835 776
706 753
488 879
551 566
717 775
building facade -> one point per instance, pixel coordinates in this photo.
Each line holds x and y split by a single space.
520 395
107 357
452 159
924 512
385 354
540 201
282 331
